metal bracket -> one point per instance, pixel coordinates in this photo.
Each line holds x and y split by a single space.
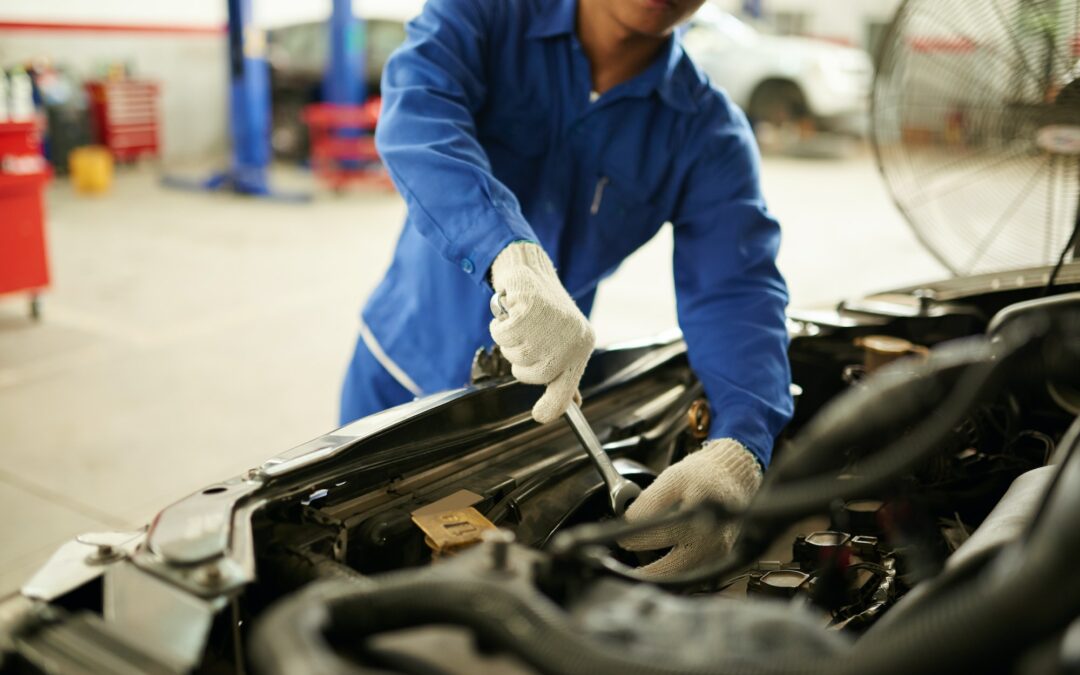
489 364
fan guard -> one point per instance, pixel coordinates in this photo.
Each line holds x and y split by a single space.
976 125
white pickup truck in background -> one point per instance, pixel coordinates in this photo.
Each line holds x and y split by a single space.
787 85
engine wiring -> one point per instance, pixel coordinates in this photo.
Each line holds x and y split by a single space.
981 361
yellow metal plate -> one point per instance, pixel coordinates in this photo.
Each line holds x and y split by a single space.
453 530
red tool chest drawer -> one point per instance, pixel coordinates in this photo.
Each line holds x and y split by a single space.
24 263
124 117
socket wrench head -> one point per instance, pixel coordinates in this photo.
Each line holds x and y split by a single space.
622 494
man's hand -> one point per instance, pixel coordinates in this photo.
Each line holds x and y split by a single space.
544 336
722 471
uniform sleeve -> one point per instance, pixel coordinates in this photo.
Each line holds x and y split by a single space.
731 296
432 87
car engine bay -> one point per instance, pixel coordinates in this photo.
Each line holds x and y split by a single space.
919 516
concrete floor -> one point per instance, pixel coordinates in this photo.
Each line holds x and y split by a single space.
187 336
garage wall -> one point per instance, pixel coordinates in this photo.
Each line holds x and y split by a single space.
190 68
180 43
845 20
189 13
268 13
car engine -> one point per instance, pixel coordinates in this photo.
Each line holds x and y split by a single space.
920 515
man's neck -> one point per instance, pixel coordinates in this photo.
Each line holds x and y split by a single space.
615 53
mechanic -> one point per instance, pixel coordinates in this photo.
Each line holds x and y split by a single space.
538 143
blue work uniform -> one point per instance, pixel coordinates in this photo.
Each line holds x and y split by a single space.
491 133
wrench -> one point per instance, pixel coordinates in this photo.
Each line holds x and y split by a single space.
620 490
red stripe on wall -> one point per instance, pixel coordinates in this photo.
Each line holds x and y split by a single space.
112 28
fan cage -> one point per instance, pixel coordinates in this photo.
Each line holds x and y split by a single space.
976 127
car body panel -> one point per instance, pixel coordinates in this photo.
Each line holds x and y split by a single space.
834 79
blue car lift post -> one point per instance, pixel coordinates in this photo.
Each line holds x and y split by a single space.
344 79
249 113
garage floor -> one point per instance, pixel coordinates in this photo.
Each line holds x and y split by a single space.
188 336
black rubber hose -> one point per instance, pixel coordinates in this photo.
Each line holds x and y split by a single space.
990 623
289 637
951 580
527 625
888 400
995 618
1028 592
789 501
778 503
295 651
1067 447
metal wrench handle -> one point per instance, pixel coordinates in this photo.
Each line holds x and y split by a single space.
591 443
620 490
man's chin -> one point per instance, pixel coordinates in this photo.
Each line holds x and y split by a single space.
653 18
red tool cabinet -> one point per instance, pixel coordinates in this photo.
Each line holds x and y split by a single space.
24 265
343 144
124 117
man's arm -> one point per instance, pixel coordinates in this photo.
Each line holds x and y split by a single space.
731 301
731 296
433 87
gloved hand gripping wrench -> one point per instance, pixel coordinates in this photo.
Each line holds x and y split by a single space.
620 490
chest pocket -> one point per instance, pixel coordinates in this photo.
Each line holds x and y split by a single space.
624 217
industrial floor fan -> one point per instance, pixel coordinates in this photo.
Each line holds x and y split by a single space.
976 118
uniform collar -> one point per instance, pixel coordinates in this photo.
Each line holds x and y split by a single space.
675 82
558 18
668 77
555 18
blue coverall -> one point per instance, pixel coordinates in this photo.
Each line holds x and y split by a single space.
491 134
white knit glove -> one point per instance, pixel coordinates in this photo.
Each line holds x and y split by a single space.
722 471
544 336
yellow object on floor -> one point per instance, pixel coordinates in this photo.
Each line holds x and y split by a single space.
91 169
